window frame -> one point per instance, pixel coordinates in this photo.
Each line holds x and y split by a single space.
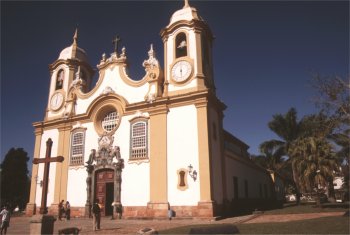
133 156
77 159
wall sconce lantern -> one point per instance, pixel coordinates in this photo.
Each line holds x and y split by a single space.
192 173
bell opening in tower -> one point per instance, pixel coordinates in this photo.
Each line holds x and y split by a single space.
181 45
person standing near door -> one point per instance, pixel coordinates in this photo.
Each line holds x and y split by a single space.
96 215
67 209
60 210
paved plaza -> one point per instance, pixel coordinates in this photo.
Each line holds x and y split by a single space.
20 225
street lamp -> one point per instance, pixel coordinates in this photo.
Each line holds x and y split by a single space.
192 173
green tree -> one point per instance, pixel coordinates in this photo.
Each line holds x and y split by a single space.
270 157
315 161
14 178
288 129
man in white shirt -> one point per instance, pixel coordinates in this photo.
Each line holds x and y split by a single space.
5 214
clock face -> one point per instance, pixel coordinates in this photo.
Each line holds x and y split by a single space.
181 71
56 101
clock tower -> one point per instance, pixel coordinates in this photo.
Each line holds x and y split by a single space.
70 70
187 53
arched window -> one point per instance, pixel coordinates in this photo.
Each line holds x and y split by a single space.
59 79
138 140
110 121
181 45
77 147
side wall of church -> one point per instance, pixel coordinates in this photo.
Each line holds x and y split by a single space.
182 151
255 178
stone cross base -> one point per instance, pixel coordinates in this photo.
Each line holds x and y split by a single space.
30 209
42 224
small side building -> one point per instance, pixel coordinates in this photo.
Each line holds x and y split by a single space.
249 186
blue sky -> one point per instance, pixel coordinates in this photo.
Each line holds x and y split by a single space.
265 53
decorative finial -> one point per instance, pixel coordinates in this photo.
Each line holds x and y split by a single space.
151 53
75 37
186 4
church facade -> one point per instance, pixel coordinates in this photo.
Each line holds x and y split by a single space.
148 145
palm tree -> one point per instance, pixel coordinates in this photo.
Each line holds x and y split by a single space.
315 161
288 129
271 157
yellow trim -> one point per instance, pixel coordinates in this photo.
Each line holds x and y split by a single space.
61 178
204 152
158 155
193 24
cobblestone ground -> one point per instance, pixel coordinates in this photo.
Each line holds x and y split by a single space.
21 225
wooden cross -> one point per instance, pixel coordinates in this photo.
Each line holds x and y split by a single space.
46 160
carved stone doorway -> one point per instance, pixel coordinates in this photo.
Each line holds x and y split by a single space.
104 190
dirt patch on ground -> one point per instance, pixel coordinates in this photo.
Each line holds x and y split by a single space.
290 217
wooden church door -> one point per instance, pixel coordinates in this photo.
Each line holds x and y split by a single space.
105 191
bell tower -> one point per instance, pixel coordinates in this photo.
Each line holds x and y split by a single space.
187 52
71 69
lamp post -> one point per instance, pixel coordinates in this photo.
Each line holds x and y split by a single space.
192 173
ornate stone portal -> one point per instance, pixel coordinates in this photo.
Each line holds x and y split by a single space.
107 157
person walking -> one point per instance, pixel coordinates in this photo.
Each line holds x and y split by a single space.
5 221
60 210
67 209
96 215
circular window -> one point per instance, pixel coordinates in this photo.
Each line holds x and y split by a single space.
107 118
110 121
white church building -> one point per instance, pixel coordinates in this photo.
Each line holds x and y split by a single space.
149 144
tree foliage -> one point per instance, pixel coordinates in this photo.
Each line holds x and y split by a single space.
288 128
14 178
333 95
333 99
315 161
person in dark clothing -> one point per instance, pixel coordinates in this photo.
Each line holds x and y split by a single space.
60 210
67 209
96 215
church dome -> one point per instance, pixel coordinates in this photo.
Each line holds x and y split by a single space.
73 51
186 13
70 53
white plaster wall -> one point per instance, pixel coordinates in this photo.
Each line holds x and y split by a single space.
182 150
53 134
77 175
135 177
244 172
112 78
76 191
